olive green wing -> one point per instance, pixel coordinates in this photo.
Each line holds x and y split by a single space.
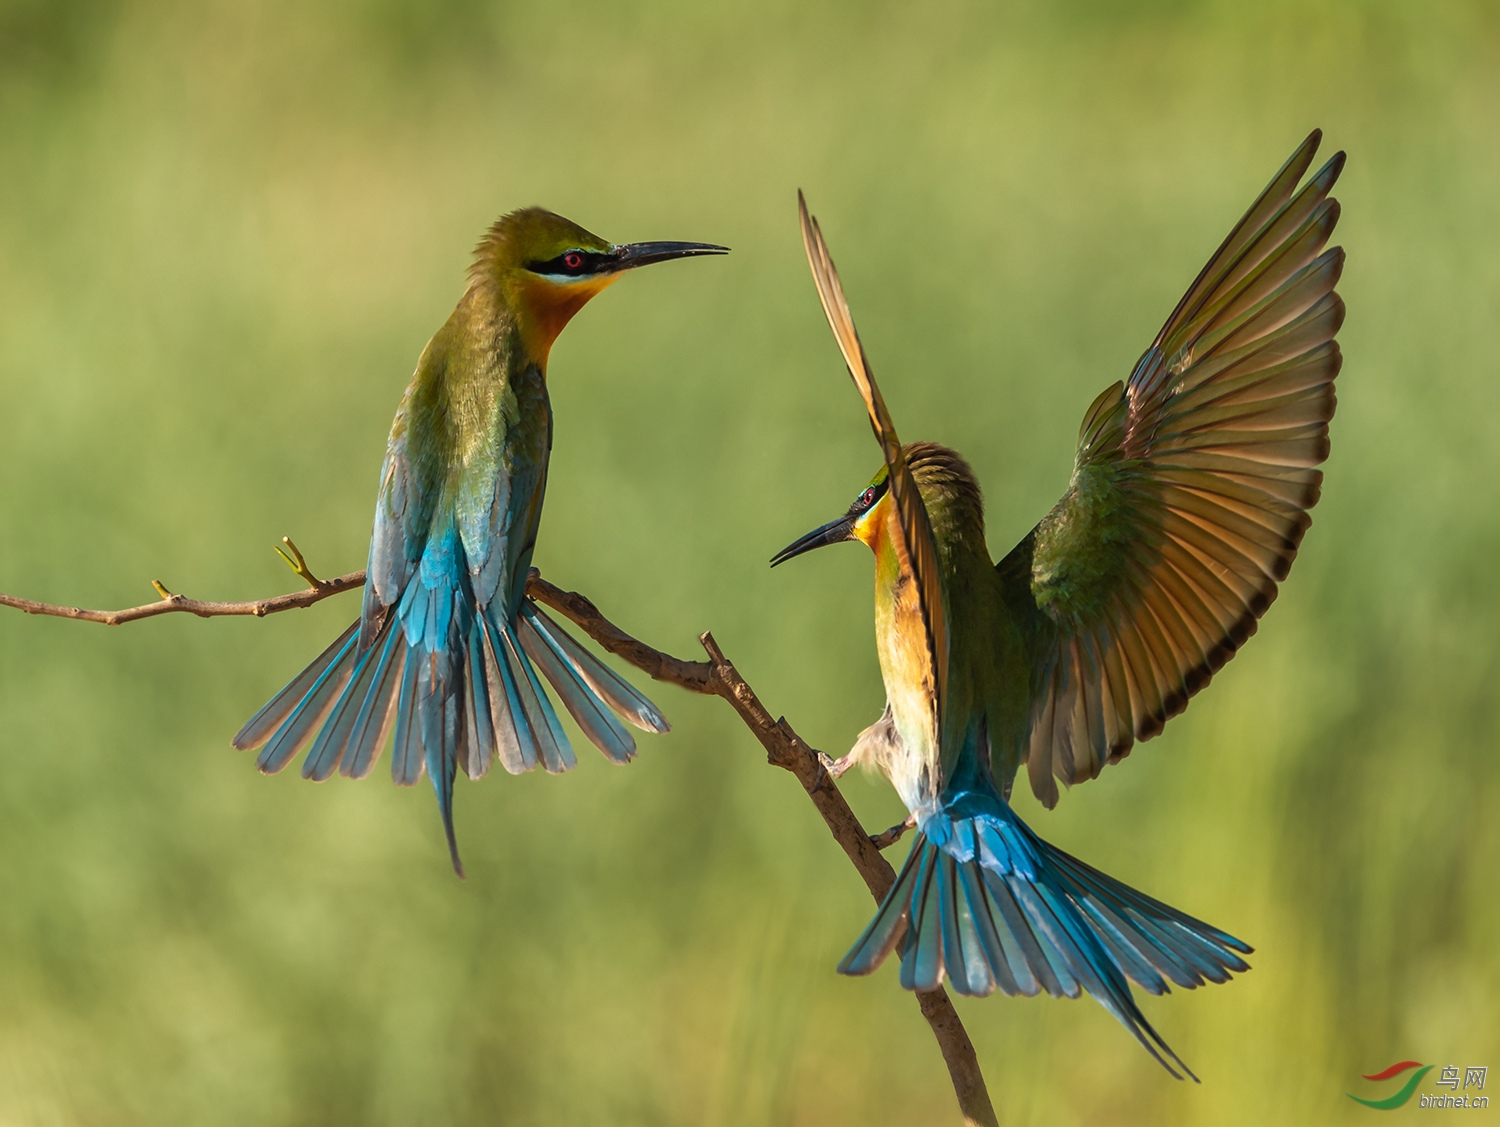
1190 491
918 549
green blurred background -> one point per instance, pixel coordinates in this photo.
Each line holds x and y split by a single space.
226 231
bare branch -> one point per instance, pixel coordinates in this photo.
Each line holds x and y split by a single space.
786 749
715 677
694 676
175 604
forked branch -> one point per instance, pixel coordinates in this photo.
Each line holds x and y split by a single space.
715 677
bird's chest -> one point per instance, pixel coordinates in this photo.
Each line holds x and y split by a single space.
905 666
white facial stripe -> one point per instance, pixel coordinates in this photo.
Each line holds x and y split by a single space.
864 518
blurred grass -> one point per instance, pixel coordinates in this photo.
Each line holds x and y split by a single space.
226 232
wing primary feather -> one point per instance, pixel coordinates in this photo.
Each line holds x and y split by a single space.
1270 201
916 544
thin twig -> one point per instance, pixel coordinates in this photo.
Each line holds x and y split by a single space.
715 677
171 604
295 561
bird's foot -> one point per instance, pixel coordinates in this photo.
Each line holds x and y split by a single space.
889 837
835 767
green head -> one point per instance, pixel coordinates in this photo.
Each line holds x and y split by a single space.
546 268
949 491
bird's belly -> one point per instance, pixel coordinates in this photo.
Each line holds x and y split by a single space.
905 667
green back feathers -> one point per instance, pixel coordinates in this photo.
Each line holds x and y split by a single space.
950 493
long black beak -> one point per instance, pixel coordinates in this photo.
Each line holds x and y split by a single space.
631 255
834 532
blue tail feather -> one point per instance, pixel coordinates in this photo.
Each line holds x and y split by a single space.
610 687
514 737
328 749
984 902
406 749
1110 932
1185 949
303 721
1009 977
969 976
262 726
883 932
916 896
377 712
1028 951
442 738
1053 940
480 739
596 721
546 730
460 686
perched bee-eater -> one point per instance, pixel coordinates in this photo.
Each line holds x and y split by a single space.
447 646
1190 494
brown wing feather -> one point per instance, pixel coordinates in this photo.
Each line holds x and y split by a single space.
918 548
1191 489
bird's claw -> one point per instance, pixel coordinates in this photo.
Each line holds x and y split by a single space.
888 838
835 767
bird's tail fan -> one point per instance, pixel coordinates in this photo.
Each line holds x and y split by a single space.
984 902
521 717
286 722
593 693
459 687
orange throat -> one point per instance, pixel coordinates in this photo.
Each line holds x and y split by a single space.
546 308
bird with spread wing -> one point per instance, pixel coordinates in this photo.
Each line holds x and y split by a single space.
1190 494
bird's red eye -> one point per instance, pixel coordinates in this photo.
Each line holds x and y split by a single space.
867 497
573 260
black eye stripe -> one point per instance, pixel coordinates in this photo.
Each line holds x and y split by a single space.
866 500
572 263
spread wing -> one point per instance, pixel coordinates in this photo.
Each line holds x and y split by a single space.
1190 490
917 549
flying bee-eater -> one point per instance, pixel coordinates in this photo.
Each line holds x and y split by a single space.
447 647
1189 497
